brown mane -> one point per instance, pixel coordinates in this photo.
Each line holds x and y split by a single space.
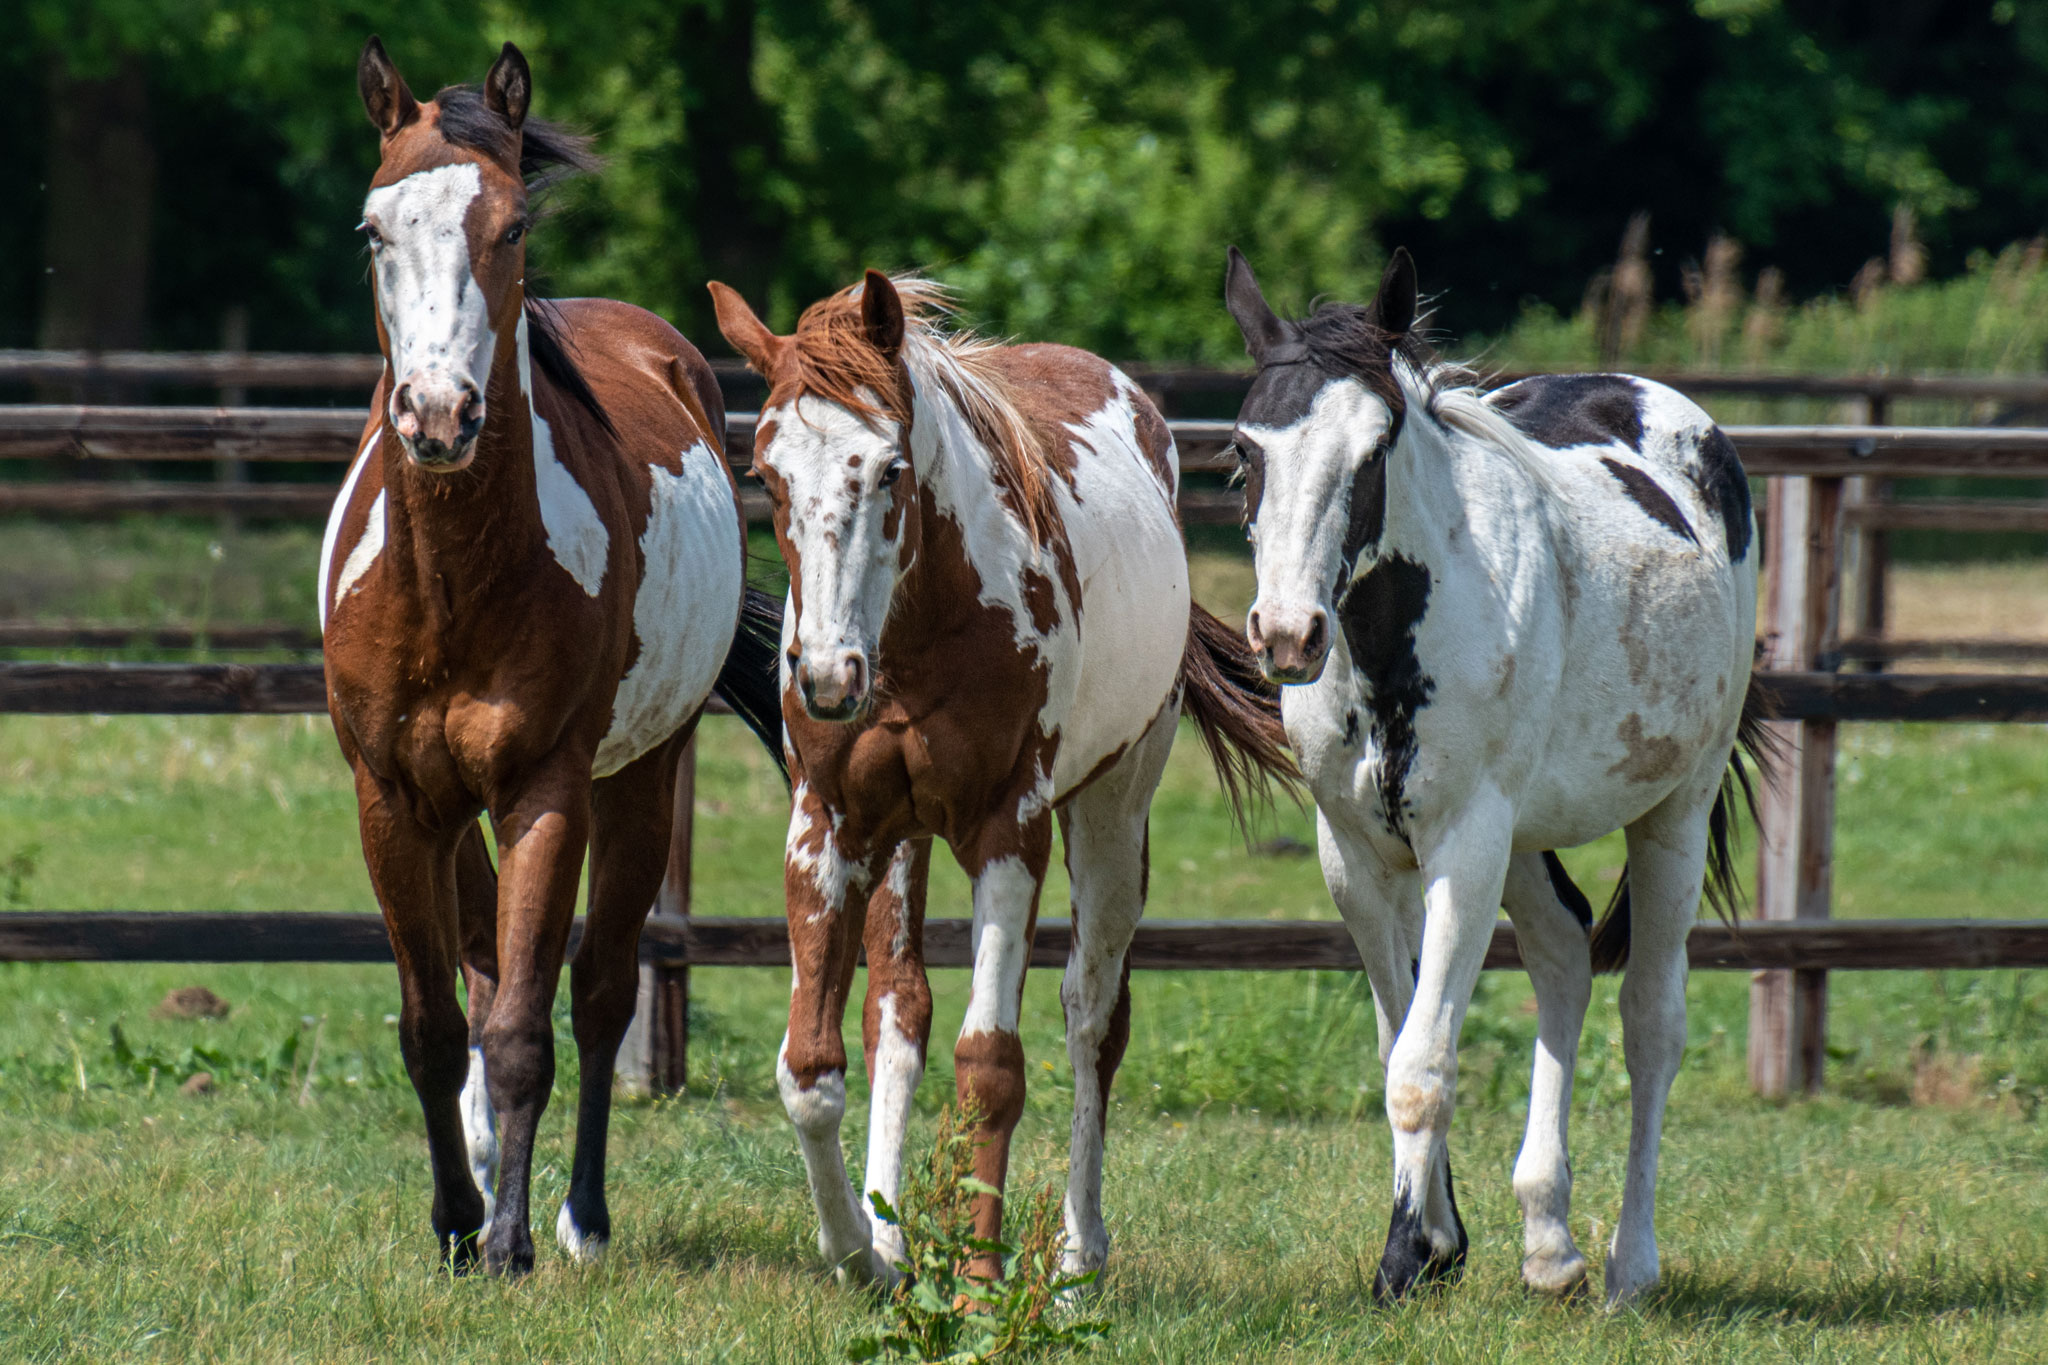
832 359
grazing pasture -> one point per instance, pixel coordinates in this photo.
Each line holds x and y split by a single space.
1903 1216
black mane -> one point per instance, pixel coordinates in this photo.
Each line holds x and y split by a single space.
548 154
1343 339
542 147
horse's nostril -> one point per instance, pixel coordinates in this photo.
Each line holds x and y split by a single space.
1252 633
1312 643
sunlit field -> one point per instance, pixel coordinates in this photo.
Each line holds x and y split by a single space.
1901 1216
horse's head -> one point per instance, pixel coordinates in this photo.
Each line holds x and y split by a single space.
833 450
446 220
1312 439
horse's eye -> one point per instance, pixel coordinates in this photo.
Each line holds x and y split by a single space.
1237 453
512 237
369 231
893 472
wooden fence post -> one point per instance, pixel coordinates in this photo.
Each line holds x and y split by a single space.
1788 1010
654 1058
1867 553
229 469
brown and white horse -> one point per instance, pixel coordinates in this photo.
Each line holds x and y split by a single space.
988 628
530 584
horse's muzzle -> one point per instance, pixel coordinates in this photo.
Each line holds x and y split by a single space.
1291 643
833 683
438 417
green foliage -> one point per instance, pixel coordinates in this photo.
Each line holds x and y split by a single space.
1992 319
1077 168
944 1314
16 871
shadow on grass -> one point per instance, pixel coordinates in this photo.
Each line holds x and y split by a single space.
1849 1302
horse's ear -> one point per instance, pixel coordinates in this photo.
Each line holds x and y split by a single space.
1262 328
1394 308
509 88
747 333
389 104
881 311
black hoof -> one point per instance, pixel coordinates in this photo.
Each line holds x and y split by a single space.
461 1253
1411 1261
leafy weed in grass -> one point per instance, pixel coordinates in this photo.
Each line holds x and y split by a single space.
18 871
944 1314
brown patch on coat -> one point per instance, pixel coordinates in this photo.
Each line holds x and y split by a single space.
191 1002
1648 758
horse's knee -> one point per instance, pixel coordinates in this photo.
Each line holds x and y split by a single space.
434 1042
813 1096
989 1067
519 1057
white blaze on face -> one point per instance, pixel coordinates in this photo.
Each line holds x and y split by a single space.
427 294
576 533
1298 538
832 463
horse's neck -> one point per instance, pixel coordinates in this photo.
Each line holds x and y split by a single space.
1427 468
950 462
450 531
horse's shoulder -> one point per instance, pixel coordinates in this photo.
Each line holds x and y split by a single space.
640 366
1060 387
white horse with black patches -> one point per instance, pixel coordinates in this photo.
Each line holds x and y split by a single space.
1506 624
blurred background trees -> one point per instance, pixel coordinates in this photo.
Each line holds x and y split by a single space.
1078 168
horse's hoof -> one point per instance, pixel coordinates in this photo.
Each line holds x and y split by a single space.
1556 1277
584 1248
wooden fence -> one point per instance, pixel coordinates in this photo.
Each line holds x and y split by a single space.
1790 948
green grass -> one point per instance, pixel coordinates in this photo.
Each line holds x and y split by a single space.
1901 1217
1248 1161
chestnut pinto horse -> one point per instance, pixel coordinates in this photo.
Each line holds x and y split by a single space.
1507 624
530 584
988 627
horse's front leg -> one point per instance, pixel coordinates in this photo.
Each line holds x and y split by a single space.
826 887
631 815
476 893
412 870
1463 872
542 833
1007 868
1553 944
896 1026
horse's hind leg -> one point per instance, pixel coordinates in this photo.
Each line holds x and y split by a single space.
413 873
896 1025
1667 856
1553 944
1107 847
476 894
631 818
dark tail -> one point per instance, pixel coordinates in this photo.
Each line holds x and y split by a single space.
1238 713
748 682
1753 745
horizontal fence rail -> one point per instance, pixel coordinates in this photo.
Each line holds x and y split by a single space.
298 370
300 435
1160 945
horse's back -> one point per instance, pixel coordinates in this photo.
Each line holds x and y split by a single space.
1115 459
1651 430
653 383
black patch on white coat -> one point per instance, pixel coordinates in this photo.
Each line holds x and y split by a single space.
1724 485
1645 493
1562 410
1567 891
1380 612
1367 514
1351 726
